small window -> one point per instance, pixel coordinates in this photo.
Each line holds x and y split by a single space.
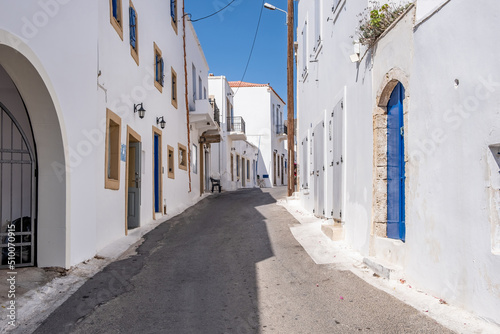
134 35
115 14
272 119
174 88
199 88
173 14
159 68
248 170
204 93
237 166
182 157
112 158
193 75
194 161
232 167
171 173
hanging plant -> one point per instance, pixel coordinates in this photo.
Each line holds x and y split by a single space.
376 19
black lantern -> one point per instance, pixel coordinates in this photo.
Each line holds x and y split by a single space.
139 109
161 121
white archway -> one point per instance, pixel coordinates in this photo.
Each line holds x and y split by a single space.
38 94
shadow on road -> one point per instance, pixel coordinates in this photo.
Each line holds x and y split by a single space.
195 273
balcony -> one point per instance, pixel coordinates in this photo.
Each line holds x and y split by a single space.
202 116
236 128
281 132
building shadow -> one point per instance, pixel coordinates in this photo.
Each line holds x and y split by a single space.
195 273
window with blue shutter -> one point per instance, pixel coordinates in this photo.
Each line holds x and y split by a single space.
133 28
115 10
173 9
162 71
115 15
159 68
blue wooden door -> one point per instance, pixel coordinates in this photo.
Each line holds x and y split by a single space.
157 172
395 165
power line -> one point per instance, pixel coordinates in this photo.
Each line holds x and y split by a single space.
251 50
206 17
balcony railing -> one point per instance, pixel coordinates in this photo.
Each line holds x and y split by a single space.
281 130
215 108
235 124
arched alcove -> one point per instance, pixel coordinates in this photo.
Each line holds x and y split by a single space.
34 86
380 147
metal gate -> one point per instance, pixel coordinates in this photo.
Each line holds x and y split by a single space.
17 194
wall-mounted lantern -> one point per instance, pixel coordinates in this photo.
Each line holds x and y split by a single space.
161 121
138 108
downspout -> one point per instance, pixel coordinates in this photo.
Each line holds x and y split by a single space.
186 92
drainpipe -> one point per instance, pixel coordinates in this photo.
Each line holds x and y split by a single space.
186 92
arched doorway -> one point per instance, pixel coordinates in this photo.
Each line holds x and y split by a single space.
32 86
396 165
390 125
17 190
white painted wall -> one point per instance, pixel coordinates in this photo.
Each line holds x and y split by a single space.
318 94
452 215
68 44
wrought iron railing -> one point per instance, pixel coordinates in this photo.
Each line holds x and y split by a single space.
281 129
235 124
215 108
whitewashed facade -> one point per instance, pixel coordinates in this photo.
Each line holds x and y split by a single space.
234 159
448 242
263 111
72 73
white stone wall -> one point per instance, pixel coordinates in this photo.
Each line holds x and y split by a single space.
451 136
85 67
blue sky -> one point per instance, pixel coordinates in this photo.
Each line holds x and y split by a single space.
227 39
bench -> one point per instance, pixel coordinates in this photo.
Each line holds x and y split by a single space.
215 183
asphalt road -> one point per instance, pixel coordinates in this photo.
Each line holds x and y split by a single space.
230 265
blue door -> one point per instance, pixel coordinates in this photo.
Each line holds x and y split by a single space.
396 165
157 172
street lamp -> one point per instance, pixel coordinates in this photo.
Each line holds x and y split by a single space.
290 101
271 7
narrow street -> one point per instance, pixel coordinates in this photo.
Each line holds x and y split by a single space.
230 265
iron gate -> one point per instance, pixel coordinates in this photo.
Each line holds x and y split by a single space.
17 194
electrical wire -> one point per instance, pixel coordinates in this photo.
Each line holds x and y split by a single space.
206 17
251 50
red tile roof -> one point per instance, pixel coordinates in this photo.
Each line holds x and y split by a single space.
242 84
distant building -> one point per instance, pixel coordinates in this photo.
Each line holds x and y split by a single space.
263 110
399 144
233 160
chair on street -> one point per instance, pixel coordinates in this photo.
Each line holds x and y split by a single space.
215 183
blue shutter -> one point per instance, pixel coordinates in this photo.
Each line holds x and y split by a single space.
115 9
162 72
173 9
157 68
395 165
133 28
157 172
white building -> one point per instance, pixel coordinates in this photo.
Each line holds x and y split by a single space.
234 159
401 147
80 165
263 111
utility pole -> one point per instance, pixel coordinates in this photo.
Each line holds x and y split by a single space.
290 102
